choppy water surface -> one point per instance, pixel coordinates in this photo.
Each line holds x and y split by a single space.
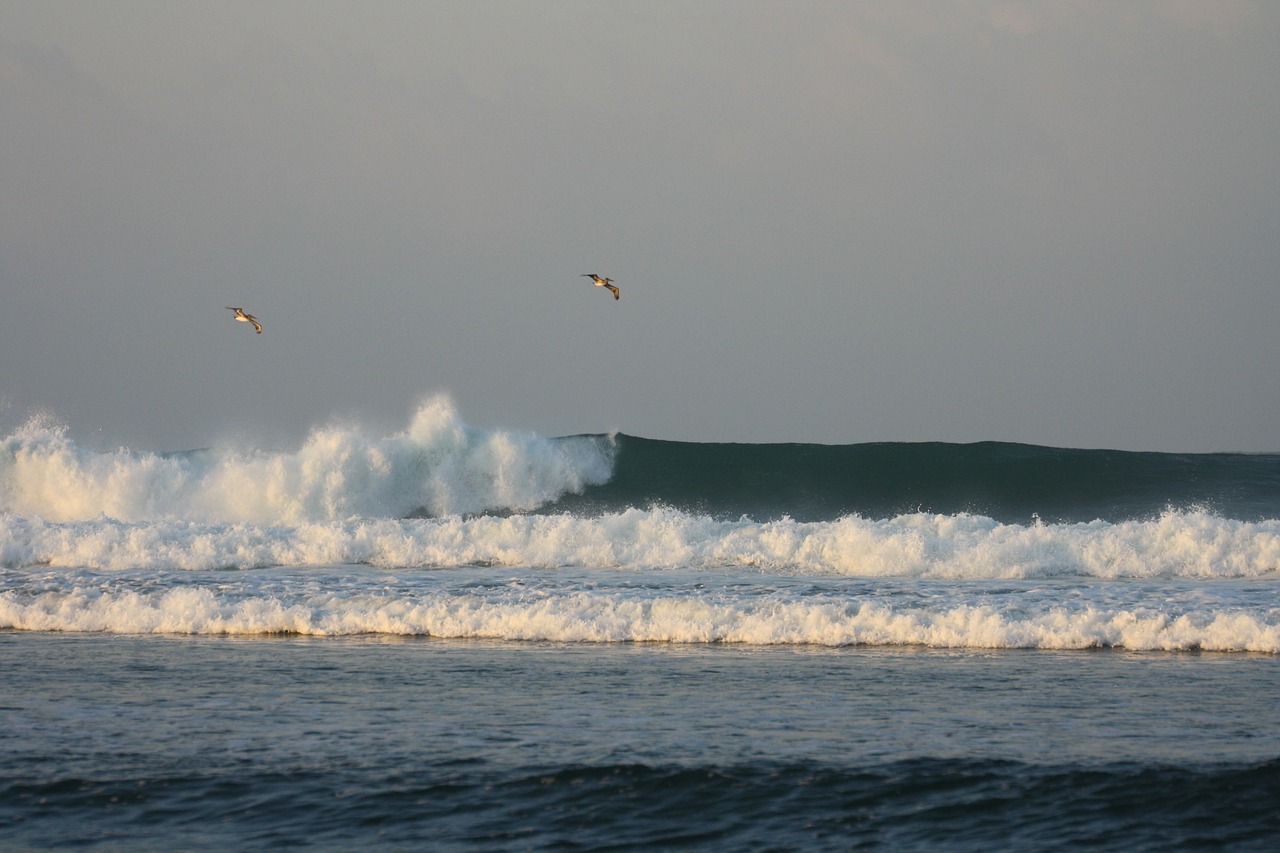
205 743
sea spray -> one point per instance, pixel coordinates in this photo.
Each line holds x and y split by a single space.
445 530
438 466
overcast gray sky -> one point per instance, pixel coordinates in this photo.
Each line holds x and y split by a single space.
1049 222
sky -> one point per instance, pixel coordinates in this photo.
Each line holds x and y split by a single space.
836 222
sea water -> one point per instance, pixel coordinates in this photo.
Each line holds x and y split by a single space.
210 743
453 638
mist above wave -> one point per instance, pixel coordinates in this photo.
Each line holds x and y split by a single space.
438 466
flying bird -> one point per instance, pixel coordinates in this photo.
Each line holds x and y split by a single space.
246 318
603 282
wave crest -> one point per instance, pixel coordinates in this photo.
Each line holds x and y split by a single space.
438 466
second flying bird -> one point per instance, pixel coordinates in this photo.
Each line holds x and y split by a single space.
603 282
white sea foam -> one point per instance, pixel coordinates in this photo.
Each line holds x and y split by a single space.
129 542
593 616
439 464
1176 545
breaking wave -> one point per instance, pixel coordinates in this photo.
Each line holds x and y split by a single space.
438 466
1175 545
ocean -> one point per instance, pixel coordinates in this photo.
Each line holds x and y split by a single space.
454 638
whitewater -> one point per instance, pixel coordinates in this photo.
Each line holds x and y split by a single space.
488 639
439 465
447 530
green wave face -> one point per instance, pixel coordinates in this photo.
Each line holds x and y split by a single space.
1009 482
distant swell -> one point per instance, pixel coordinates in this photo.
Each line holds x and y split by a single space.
440 466
1009 482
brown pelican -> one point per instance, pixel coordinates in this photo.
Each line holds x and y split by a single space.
246 318
603 282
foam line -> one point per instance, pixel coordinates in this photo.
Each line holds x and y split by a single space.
596 617
1176 545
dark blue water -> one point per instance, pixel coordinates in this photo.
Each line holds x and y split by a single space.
115 743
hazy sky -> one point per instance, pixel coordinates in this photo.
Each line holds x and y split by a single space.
1049 222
